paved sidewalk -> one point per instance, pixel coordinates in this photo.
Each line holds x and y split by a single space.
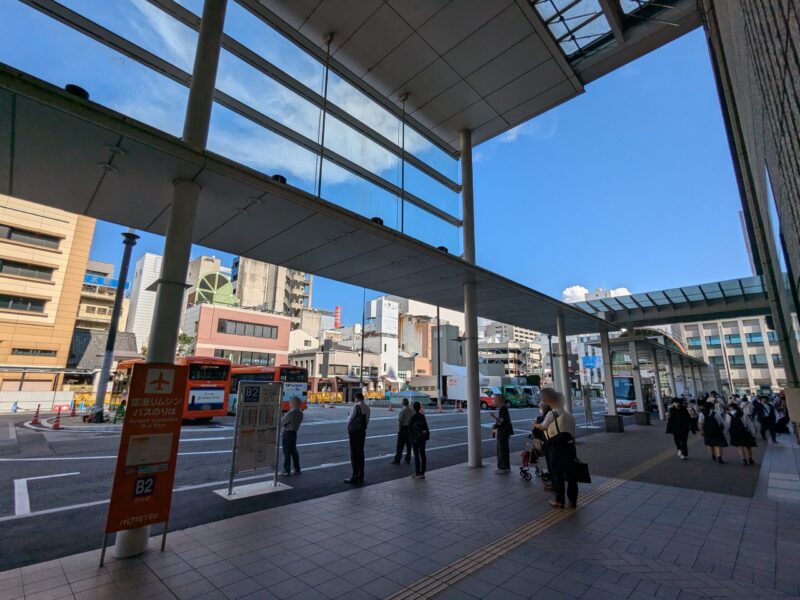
468 533
780 471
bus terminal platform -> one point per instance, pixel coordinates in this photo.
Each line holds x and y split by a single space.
649 526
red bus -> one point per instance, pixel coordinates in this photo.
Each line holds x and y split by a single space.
206 390
295 382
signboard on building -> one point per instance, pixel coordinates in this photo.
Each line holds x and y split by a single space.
590 361
145 472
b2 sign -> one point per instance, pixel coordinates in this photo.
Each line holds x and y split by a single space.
148 448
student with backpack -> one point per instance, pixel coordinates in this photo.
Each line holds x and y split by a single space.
357 432
741 436
420 434
712 424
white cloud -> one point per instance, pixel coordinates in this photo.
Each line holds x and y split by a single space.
574 293
620 291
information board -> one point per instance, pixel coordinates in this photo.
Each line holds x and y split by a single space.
258 415
148 449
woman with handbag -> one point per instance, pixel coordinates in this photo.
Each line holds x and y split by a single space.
559 428
420 434
502 430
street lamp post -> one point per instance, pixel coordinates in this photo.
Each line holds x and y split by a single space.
438 359
129 241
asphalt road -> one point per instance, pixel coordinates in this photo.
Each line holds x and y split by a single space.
54 485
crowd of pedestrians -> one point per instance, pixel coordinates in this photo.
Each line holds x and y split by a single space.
727 421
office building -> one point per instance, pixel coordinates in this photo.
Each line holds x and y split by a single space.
745 350
264 286
246 337
140 312
43 257
510 358
97 298
509 333
381 335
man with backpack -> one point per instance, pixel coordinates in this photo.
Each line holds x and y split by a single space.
357 432
420 434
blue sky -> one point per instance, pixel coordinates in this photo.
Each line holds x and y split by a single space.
629 185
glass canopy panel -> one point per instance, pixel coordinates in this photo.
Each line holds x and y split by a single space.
429 228
358 148
430 190
628 6
143 24
693 293
352 101
573 23
712 291
195 6
252 32
71 57
245 142
642 300
752 285
659 298
358 195
251 87
627 302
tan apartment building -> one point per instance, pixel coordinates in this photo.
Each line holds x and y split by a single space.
97 298
264 286
43 258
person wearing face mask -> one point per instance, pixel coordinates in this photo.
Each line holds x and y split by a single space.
740 435
712 424
679 424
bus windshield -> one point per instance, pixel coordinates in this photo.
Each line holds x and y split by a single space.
201 372
237 377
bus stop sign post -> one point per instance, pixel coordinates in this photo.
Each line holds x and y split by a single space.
258 423
148 450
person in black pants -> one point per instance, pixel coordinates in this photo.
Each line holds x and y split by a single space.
503 430
419 437
403 433
559 428
767 419
679 424
357 432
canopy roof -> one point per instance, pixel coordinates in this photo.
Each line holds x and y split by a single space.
719 300
72 154
483 65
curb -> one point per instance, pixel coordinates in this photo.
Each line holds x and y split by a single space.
47 425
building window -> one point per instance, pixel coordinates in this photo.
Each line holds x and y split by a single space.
261 359
736 360
21 303
772 337
337 370
777 360
32 352
306 343
712 341
758 360
29 237
694 342
754 338
10 267
247 329
734 340
717 360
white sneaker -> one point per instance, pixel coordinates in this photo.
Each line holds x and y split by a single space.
679 454
683 457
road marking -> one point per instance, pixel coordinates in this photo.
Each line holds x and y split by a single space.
264 475
22 502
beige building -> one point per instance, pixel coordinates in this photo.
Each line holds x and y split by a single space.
97 298
43 258
264 286
509 333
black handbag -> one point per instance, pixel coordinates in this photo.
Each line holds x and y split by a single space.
580 472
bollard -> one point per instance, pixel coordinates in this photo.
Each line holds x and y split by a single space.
57 422
35 420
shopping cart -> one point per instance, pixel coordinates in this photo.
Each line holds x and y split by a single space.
530 461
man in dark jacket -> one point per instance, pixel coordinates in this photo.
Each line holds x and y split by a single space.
419 432
503 430
679 424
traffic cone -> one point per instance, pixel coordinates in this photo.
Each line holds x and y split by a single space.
35 420
57 422
72 412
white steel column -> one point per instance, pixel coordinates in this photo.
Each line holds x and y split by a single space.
470 306
637 376
613 421
694 382
563 363
671 374
657 384
178 242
